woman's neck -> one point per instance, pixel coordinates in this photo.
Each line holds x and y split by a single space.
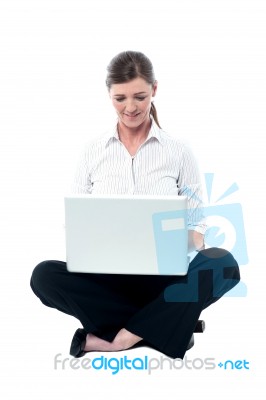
134 136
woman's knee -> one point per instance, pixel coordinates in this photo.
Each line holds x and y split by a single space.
216 253
44 275
223 265
219 257
226 272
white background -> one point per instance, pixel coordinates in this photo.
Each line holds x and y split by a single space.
209 58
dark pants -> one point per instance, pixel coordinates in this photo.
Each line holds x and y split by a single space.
161 309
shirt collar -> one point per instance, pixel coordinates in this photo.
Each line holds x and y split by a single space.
155 132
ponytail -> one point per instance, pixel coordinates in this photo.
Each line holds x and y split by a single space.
153 113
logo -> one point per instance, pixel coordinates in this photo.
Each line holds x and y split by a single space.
230 364
146 364
225 230
169 230
225 223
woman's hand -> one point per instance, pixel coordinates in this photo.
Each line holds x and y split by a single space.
195 241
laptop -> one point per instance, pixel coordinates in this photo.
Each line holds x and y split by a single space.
123 234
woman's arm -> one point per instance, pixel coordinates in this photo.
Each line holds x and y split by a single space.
82 180
189 184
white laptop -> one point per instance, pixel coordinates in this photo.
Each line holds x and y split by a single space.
123 234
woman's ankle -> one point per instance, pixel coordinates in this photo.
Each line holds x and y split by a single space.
125 339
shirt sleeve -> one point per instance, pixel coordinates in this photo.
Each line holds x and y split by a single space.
189 185
82 178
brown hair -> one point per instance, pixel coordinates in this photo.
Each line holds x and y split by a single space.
129 65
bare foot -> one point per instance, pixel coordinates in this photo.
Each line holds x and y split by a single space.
94 343
123 340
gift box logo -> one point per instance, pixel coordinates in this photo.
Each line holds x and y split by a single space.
225 224
225 229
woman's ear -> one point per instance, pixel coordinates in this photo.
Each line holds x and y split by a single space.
154 88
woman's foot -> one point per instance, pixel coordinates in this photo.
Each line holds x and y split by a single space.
123 340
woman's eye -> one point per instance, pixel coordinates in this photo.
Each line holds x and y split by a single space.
120 99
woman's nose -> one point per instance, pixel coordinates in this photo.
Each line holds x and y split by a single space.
131 106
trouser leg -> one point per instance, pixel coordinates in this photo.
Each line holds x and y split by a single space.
103 303
162 310
169 321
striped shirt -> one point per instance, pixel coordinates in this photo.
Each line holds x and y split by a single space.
162 166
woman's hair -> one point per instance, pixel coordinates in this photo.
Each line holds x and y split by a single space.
127 66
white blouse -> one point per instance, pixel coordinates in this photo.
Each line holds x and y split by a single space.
161 166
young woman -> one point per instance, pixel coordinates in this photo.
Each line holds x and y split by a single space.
119 312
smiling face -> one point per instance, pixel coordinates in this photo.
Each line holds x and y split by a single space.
132 101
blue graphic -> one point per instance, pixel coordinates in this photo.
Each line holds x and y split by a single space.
225 230
234 240
214 237
170 234
238 364
208 183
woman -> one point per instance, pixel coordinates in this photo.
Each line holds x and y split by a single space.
119 312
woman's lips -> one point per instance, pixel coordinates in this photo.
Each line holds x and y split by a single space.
132 116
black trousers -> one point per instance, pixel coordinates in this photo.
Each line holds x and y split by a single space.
163 310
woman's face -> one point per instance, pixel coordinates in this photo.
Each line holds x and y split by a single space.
132 101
